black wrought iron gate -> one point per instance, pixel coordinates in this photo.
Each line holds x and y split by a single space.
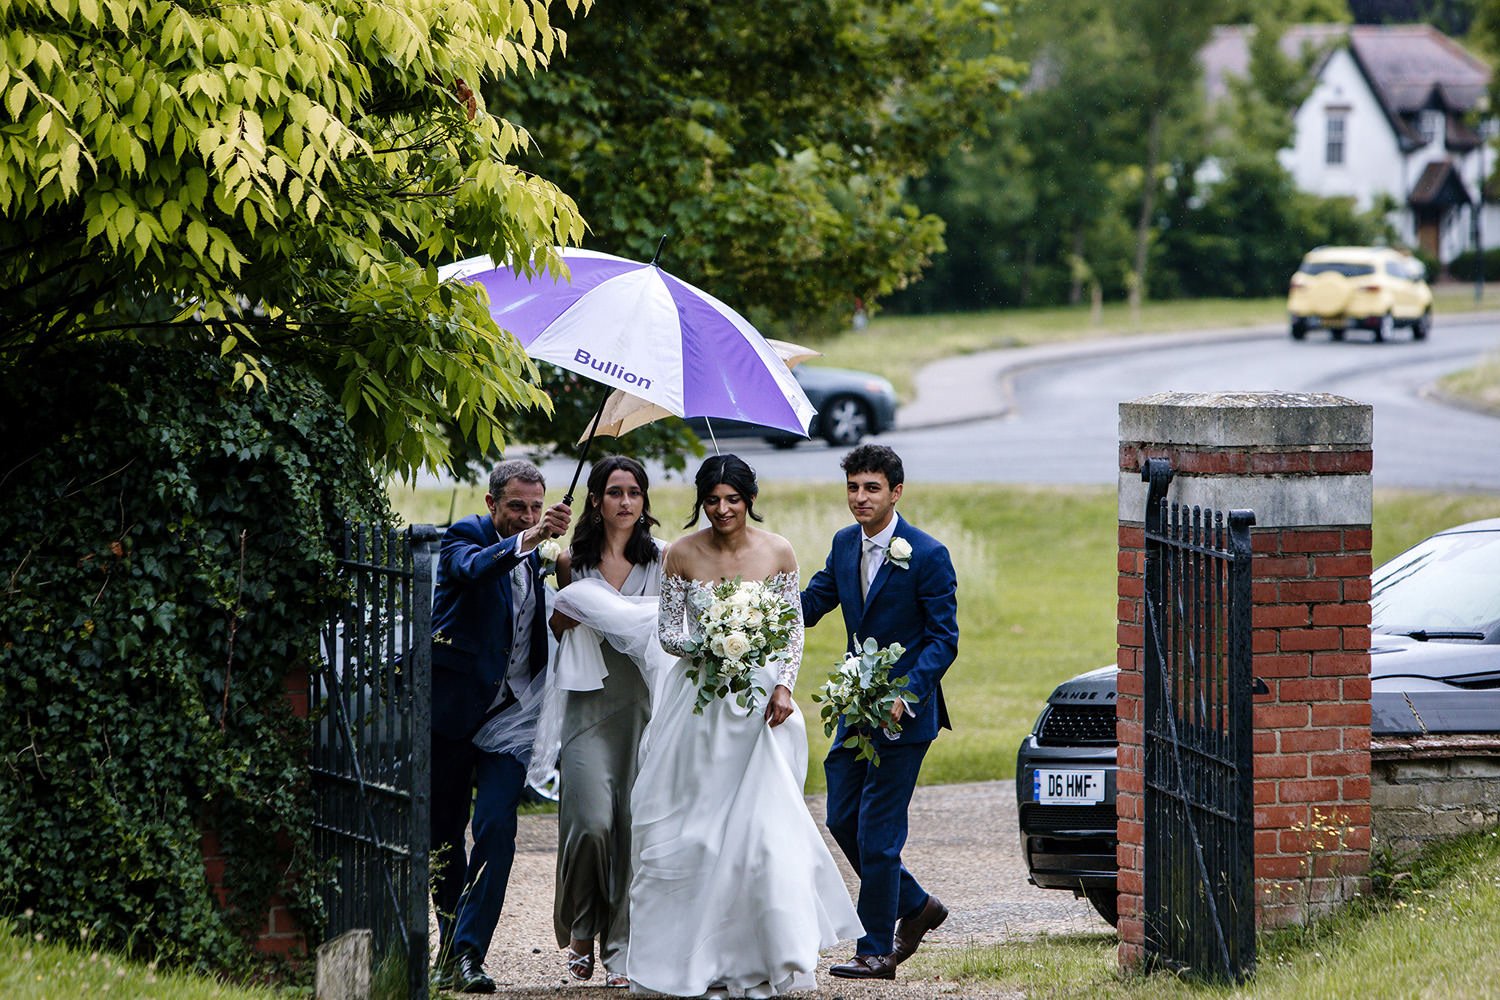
370 708
1199 824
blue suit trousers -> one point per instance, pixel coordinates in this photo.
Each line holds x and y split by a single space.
470 891
867 817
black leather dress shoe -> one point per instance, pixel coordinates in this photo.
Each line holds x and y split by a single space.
866 967
909 932
468 975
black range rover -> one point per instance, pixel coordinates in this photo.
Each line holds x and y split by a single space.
1065 788
1434 668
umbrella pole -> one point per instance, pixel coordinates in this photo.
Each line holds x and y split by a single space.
583 457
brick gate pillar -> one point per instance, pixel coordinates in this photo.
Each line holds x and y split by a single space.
1302 463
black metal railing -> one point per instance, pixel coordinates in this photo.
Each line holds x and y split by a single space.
370 709
1199 870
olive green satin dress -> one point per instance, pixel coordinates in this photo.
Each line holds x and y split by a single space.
600 736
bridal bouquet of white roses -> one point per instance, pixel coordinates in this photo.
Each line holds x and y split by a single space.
743 626
861 692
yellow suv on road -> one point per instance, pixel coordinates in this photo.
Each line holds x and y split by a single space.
1375 288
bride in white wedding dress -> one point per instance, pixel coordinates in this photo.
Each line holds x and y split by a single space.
733 891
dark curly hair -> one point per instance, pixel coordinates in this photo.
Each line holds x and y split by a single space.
588 535
875 458
729 470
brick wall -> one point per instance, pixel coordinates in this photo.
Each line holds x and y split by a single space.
1311 636
279 935
1302 463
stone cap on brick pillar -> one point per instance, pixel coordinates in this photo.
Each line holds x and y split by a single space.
1298 459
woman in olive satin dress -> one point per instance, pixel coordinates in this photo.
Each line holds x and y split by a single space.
602 728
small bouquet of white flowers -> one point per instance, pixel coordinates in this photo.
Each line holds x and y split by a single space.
861 692
744 625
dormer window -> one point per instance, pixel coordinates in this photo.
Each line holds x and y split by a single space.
1430 125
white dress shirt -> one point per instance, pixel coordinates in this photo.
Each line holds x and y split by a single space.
873 551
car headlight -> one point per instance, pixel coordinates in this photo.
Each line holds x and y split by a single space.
880 387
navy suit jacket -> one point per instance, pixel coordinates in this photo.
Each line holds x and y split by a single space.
472 627
916 606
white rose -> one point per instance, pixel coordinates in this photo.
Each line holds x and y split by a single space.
740 598
716 645
754 617
736 645
900 549
549 550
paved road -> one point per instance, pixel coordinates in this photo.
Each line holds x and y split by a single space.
1060 422
1051 414
963 846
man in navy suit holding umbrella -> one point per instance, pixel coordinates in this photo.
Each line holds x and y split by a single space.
895 584
489 659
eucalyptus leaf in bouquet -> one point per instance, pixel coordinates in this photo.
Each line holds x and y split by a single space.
862 692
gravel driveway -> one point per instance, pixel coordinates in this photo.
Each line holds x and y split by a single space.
963 847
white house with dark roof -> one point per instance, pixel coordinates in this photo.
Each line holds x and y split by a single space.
1394 112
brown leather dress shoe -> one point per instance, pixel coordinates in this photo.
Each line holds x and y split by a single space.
909 932
866 967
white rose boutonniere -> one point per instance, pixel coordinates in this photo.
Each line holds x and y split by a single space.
899 553
547 552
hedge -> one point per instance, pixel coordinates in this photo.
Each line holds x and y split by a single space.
165 554
1465 267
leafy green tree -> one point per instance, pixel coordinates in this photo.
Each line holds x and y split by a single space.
1243 235
1288 11
1034 210
771 142
1262 104
275 181
1163 38
1240 228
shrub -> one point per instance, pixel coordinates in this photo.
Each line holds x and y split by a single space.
1465 267
164 551
1243 235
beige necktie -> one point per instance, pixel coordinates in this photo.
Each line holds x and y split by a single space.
868 566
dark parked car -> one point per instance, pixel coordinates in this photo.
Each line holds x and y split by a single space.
851 406
1434 668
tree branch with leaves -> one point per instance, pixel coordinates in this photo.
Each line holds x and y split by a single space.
279 180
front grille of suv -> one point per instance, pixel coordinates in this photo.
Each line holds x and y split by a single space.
1070 725
1037 819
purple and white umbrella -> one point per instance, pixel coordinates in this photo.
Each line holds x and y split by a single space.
634 327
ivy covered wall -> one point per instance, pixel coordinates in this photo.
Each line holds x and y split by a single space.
164 561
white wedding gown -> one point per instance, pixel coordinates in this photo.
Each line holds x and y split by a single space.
734 892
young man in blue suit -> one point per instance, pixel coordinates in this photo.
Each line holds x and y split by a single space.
895 585
489 646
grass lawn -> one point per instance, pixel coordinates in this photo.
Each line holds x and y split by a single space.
1431 935
1036 587
896 346
1478 387
33 970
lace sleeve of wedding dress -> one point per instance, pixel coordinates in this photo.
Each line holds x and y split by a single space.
786 673
671 619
